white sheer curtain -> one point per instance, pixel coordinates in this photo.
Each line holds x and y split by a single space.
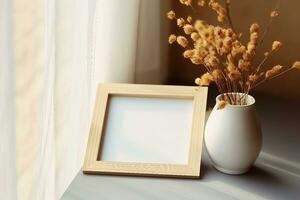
8 173
52 55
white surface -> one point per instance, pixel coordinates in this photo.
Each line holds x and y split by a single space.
229 129
148 130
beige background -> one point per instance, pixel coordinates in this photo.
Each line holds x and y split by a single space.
176 70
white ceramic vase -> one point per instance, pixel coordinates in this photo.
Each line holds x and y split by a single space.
233 137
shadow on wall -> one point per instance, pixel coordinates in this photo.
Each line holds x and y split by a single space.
152 50
285 28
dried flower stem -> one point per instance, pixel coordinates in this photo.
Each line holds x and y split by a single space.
228 85
228 14
195 11
258 68
268 79
269 24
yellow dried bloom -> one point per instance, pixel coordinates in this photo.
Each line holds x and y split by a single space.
195 36
189 19
224 50
244 65
274 14
251 48
201 3
254 28
200 53
205 80
296 65
188 53
188 29
186 2
229 32
201 44
221 18
171 14
196 60
206 34
172 38
226 98
227 42
219 9
199 25
276 45
230 58
207 76
180 22
214 61
266 54
197 81
230 66
221 105
234 52
273 72
211 60
242 49
253 78
234 75
252 44
217 74
254 37
210 30
218 31
219 44
212 51
247 56
182 41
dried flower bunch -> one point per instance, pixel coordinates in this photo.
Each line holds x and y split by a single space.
228 62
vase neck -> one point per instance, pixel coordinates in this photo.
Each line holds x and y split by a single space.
235 99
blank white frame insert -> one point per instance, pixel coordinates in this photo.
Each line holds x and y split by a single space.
147 130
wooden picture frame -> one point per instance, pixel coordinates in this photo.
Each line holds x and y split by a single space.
93 163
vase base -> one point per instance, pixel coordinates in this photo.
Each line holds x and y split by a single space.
232 172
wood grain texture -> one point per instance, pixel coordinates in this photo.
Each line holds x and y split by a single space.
192 170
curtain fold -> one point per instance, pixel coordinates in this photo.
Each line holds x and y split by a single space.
72 89
115 38
8 172
52 56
